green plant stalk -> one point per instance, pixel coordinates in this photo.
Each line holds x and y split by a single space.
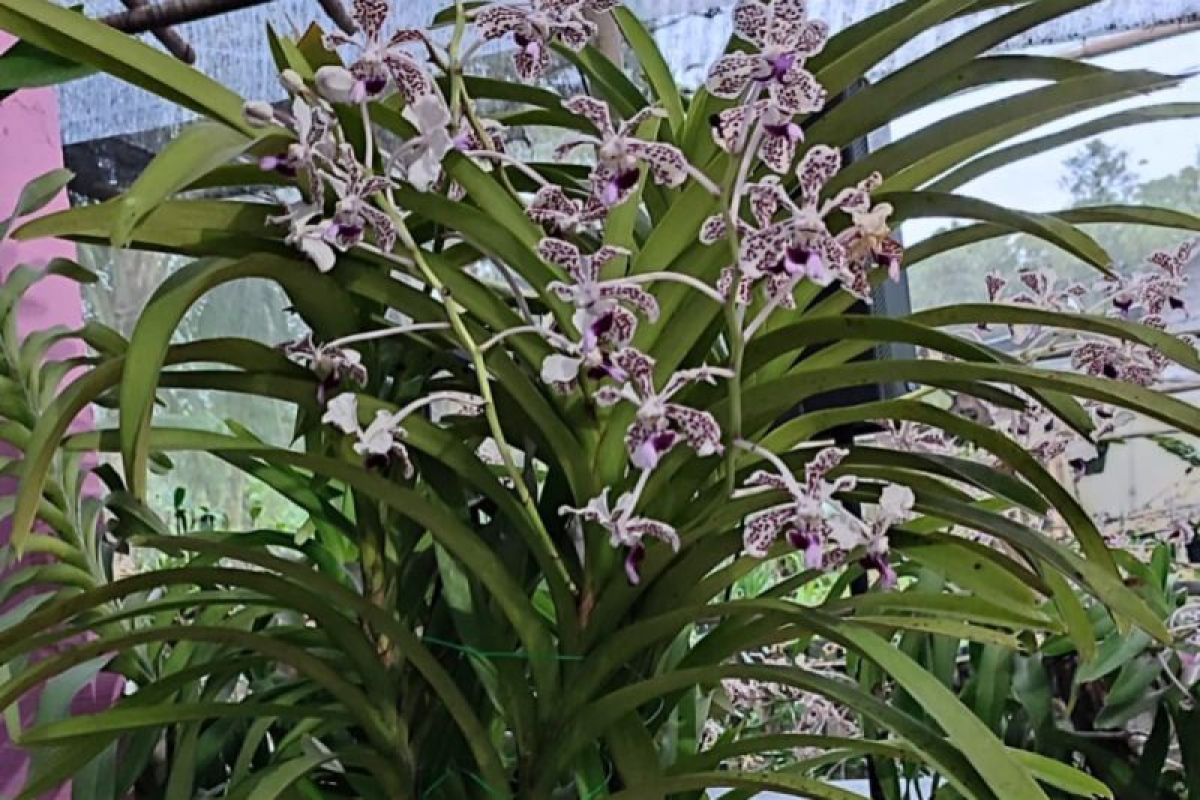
456 82
485 390
731 198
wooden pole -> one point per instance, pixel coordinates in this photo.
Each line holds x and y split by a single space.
337 12
171 40
173 12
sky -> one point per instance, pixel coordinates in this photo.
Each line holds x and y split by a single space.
1156 150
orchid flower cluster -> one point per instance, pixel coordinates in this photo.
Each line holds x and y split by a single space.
1149 296
773 708
781 228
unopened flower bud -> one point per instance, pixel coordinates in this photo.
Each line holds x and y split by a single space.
258 113
292 81
336 84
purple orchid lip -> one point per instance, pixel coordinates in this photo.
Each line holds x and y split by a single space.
662 442
378 462
348 233
809 544
648 453
785 130
880 563
328 387
375 85
603 325
799 260
633 564
780 66
616 186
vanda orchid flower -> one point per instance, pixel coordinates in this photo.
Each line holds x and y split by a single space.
624 528
381 443
779 134
381 61
895 506
536 25
354 213
661 424
1040 288
1121 361
418 161
1160 290
620 154
785 38
559 213
604 310
334 366
812 515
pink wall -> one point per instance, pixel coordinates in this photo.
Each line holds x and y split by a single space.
31 145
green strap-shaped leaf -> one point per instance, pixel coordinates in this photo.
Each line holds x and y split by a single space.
322 304
126 719
772 398
1073 615
1060 776
1017 152
195 152
70 35
35 196
1007 776
1114 214
916 205
853 52
913 161
24 66
606 80
654 67
965 607
1000 314
275 780
880 103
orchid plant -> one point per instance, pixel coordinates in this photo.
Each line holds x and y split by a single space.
550 412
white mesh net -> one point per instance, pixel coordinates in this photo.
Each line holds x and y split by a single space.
232 48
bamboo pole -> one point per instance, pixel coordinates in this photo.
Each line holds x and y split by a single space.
1115 43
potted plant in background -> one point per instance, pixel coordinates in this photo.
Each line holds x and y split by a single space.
544 429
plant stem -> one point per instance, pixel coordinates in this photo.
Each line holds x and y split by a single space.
385 333
731 199
485 391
